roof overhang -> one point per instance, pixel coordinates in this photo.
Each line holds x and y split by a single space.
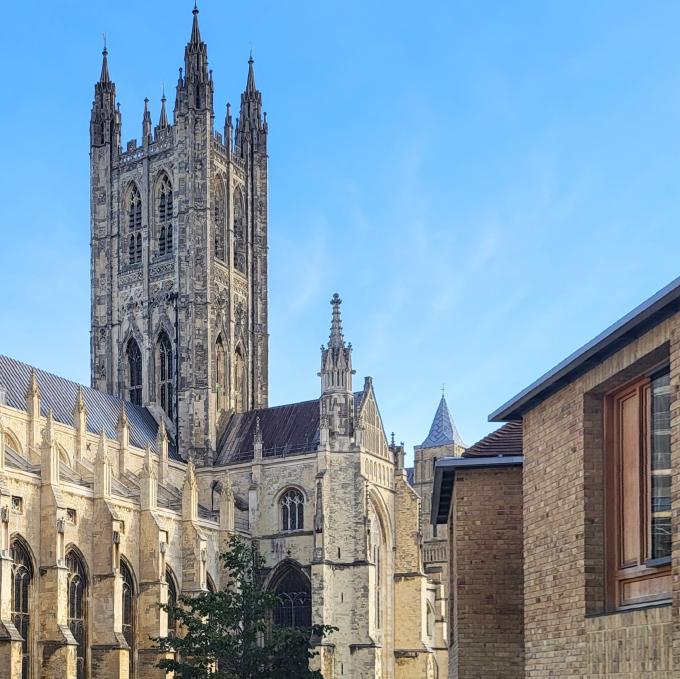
445 474
656 309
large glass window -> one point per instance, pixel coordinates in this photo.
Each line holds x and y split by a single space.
77 586
134 225
128 595
295 601
22 576
638 491
292 510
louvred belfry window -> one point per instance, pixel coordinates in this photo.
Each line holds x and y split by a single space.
134 225
164 367
165 216
638 492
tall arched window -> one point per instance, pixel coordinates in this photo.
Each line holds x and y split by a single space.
377 555
164 372
292 510
294 608
134 225
172 602
77 609
218 218
134 372
239 232
221 375
239 381
128 595
22 576
165 215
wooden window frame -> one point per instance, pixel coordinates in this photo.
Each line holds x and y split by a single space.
644 581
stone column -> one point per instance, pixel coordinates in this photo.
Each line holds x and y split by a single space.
153 588
109 650
56 645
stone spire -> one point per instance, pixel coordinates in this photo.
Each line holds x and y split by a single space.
195 88
163 118
443 430
336 359
337 399
251 130
105 118
104 78
146 122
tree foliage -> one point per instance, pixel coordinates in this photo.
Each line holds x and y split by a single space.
227 634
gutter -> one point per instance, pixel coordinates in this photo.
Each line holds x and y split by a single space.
445 474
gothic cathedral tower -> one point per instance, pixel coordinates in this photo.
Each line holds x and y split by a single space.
179 256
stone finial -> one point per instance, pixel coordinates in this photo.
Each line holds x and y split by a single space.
227 505
257 441
49 455
102 469
80 423
33 386
123 431
162 443
190 494
148 484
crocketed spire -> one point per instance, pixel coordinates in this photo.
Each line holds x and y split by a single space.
443 430
104 77
336 359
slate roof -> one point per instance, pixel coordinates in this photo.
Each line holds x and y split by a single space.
505 441
59 395
443 430
411 475
291 429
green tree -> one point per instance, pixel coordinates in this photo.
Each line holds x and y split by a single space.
227 634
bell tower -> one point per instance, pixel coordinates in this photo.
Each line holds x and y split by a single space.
179 255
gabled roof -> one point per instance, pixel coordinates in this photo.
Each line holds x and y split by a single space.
443 430
59 395
291 429
650 313
507 440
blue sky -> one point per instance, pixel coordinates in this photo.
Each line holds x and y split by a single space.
487 184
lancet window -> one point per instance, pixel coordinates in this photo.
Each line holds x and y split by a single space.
292 510
134 372
77 609
165 216
134 225
22 578
164 372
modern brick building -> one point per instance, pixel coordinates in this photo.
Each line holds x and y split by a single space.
600 505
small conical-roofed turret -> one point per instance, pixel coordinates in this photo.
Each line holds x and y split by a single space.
195 89
251 129
146 122
336 359
104 77
105 119
443 430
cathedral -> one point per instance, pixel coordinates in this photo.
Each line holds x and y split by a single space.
117 497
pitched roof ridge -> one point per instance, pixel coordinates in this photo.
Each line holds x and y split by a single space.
506 440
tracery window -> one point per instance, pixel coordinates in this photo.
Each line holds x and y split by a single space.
221 375
294 608
134 225
77 609
172 602
219 220
22 576
134 372
165 216
164 372
239 232
292 510
128 595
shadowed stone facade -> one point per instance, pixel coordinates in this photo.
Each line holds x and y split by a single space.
118 497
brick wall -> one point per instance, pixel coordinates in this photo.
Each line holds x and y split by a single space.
486 578
566 634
